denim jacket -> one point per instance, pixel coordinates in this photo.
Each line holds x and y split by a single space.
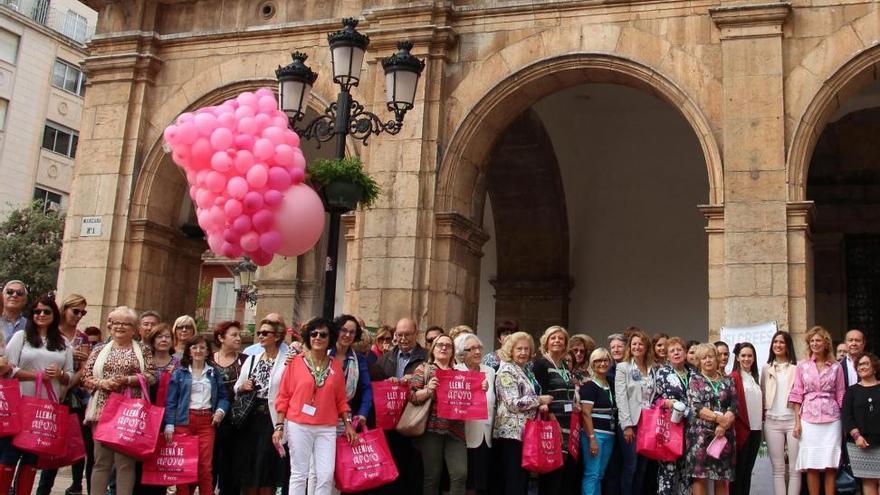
177 403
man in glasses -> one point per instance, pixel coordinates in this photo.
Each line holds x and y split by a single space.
14 299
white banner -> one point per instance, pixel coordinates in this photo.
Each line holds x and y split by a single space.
758 335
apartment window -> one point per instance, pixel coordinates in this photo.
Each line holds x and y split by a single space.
4 106
51 200
75 26
60 139
8 46
68 77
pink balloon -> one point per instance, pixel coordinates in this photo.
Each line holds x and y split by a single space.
297 176
284 155
192 192
227 119
180 157
232 103
279 122
244 142
247 125
220 200
221 162
230 235
201 177
170 134
264 92
270 241
231 250
216 219
244 111
201 153
237 187
261 258
299 161
267 103
292 139
205 198
247 99
244 159
263 149
279 179
257 176
233 208
300 220
206 123
215 242
262 121
184 117
273 197
187 133
215 181
263 220
274 134
242 224
222 138
253 201
250 241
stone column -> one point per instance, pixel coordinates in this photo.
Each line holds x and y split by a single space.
715 232
801 293
455 281
120 72
755 217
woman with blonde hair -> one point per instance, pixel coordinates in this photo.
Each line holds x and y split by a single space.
183 330
817 395
518 397
633 391
597 416
554 376
457 330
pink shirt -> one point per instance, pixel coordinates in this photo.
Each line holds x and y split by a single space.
298 389
819 394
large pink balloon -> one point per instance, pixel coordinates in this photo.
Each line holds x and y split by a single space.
300 220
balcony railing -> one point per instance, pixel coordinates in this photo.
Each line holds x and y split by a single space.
70 23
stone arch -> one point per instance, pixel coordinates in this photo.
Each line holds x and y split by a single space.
464 158
835 83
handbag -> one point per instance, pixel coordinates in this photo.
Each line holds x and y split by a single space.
128 425
244 402
414 419
542 445
10 405
174 463
846 483
366 465
43 423
75 450
657 437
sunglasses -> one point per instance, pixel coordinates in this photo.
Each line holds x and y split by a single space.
264 333
383 339
17 292
79 312
186 327
43 312
445 345
319 335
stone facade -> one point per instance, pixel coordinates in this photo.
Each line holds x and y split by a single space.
757 82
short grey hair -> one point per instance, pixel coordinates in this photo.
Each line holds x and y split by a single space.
19 282
616 336
124 312
460 341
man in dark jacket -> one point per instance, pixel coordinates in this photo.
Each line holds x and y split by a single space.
398 364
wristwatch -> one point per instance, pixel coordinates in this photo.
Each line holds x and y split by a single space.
279 427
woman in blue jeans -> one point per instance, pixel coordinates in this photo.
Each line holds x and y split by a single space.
598 414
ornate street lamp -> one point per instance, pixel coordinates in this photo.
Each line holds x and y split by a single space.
346 116
243 276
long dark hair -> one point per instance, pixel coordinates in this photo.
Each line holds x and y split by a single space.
315 324
789 347
745 345
54 340
341 320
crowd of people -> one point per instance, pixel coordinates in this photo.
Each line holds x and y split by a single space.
268 416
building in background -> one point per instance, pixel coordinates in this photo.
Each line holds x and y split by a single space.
42 44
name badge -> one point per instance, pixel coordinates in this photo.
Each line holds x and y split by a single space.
309 409
568 408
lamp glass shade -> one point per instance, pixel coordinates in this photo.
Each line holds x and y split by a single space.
347 62
246 277
236 280
400 88
294 95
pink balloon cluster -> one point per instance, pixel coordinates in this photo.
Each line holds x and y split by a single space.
245 170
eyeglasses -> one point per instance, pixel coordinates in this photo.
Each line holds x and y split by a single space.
430 341
264 333
186 327
79 312
601 360
346 331
145 324
864 364
445 345
473 348
120 324
578 351
384 339
43 312
319 335
17 292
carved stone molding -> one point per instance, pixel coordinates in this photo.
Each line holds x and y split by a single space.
453 225
800 215
751 20
715 218
551 288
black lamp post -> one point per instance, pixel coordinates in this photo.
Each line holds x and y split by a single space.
346 116
242 276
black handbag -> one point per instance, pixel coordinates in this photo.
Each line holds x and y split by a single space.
846 483
244 402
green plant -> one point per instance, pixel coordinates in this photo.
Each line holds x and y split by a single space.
202 294
30 247
349 169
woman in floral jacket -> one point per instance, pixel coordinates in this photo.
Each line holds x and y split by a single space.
518 397
671 386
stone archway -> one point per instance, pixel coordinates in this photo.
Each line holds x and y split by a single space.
462 178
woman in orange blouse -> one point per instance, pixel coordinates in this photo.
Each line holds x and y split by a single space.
312 398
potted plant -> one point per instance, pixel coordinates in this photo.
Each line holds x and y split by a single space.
343 183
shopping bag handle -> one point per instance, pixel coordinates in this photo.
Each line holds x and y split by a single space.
145 392
50 391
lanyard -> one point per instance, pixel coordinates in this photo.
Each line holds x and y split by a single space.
607 389
716 386
563 372
685 379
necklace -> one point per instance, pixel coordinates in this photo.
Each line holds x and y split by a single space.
318 371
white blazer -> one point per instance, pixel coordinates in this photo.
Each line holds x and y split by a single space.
629 394
477 430
274 380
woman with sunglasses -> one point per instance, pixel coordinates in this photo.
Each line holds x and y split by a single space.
40 350
184 329
312 400
261 468
73 308
382 345
579 350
